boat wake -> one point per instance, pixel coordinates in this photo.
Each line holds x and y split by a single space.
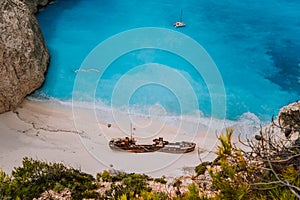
88 70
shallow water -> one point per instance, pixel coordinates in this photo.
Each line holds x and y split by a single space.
254 44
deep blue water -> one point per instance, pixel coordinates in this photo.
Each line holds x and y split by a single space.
255 45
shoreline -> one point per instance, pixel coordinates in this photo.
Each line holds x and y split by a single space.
78 137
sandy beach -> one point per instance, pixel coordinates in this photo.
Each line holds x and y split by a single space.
78 137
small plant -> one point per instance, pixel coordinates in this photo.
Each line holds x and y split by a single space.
146 195
4 184
160 180
109 176
193 193
231 178
104 176
130 185
225 148
201 168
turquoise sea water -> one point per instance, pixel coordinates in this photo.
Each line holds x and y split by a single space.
254 44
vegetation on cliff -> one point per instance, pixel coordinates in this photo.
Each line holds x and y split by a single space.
268 167
268 171
36 177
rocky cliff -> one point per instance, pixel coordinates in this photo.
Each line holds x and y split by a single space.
289 118
23 55
286 126
34 5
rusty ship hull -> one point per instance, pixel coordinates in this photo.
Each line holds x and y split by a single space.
129 145
178 147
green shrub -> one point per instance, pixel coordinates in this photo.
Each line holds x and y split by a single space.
160 180
109 176
35 177
104 176
271 188
131 185
58 187
231 178
201 168
193 193
146 195
4 185
256 174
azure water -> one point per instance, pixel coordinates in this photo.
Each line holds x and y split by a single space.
254 44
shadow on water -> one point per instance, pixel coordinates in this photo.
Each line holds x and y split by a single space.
286 59
46 18
49 23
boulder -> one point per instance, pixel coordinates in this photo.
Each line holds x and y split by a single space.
23 54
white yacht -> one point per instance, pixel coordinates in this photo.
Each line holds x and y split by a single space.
180 23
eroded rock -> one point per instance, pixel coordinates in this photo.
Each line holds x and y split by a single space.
289 117
23 54
34 5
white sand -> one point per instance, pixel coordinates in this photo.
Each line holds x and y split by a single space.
79 138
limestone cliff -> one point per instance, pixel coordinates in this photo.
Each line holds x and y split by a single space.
23 55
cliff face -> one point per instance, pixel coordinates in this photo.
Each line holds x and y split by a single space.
289 117
34 5
23 55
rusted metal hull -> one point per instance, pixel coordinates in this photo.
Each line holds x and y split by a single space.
134 148
177 147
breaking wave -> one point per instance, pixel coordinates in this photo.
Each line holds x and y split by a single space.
246 125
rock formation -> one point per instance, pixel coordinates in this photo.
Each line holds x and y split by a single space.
289 117
23 55
285 126
34 5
